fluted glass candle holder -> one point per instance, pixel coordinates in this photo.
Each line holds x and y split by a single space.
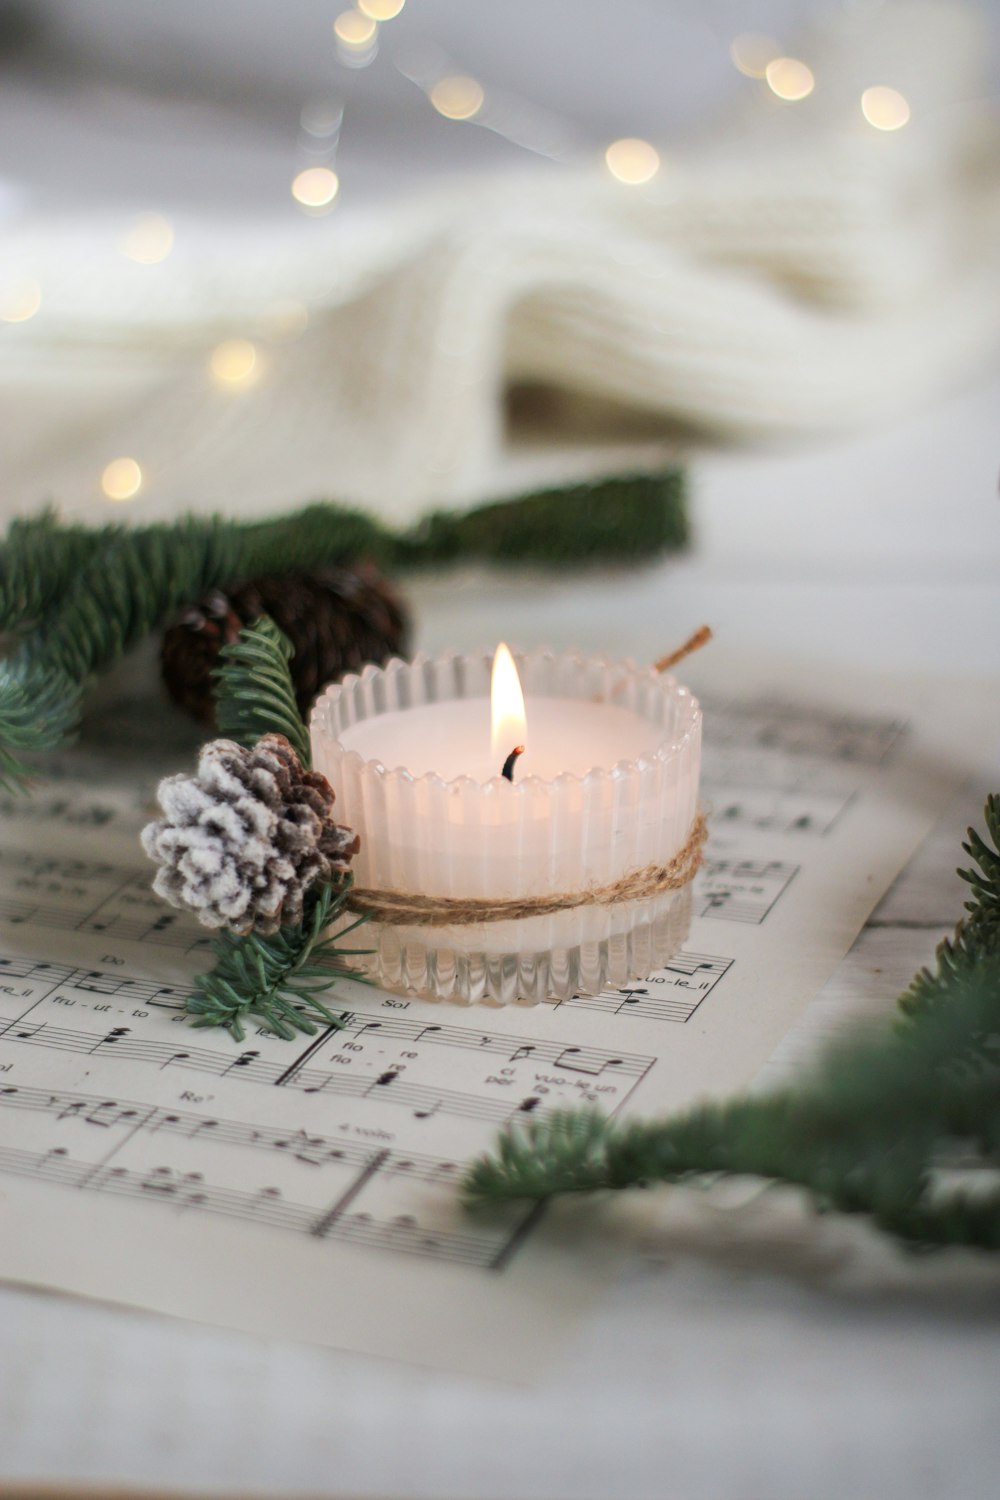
457 837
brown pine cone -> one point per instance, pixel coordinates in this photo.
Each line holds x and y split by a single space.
337 618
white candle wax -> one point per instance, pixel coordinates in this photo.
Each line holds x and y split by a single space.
453 739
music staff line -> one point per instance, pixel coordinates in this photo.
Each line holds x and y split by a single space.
422 1099
95 981
189 1190
101 1113
742 890
168 929
555 1054
666 1004
774 723
637 1001
773 810
120 885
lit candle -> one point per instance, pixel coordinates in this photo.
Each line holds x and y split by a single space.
570 876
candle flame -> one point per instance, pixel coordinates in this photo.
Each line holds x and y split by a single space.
509 727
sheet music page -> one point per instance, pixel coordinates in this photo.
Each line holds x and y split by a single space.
308 1188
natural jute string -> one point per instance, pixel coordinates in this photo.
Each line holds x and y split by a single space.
695 642
406 909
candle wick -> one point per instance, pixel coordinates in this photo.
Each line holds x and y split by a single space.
508 765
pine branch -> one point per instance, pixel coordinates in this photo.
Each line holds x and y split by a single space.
866 1134
984 908
129 586
38 711
630 518
976 940
277 980
39 560
256 694
79 599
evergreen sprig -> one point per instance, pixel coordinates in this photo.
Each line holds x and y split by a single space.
984 908
277 979
39 561
38 711
255 693
870 1133
74 599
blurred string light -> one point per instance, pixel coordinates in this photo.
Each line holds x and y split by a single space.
355 29
150 240
884 107
122 479
20 300
381 10
457 97
752 52
789 78
632 160
357 38
315 188
234 362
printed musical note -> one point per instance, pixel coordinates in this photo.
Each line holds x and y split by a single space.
104 1114
360 1029
743 890
673 993
583 1060
245 1060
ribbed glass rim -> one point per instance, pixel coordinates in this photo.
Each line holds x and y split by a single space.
661 687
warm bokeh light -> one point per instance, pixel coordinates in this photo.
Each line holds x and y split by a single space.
381 10
283 320
234 362
150 240
20 300
752 52
122 479
316 187
885 108
457 97
632 161
789 78
354 29
507 720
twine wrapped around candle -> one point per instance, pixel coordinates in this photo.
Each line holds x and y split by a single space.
409 909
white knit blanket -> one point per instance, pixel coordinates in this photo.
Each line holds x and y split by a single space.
798 273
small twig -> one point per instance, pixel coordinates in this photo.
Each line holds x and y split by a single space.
694 643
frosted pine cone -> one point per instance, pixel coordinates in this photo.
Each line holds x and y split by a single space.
243 840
